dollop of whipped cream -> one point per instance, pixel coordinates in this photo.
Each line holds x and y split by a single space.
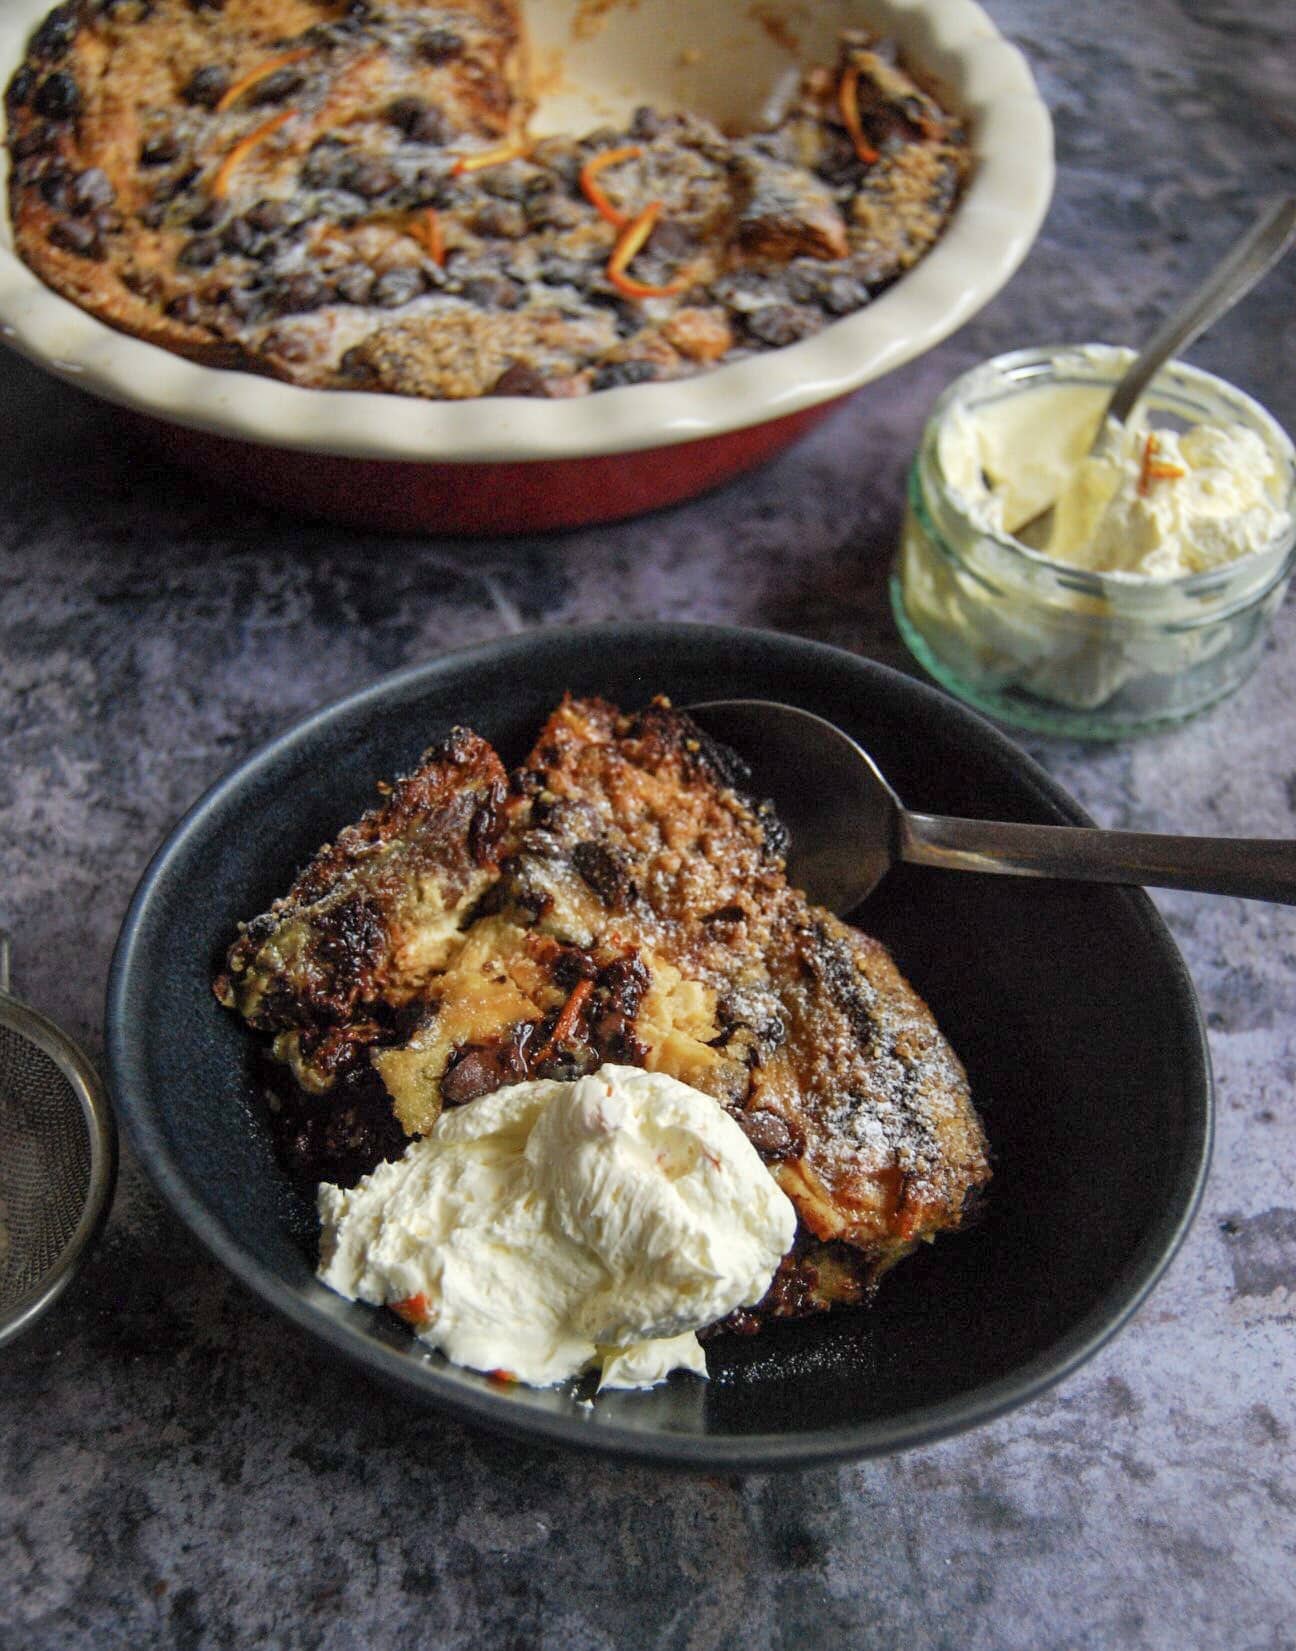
1197 500
551 1227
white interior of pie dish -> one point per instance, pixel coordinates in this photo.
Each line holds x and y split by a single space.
593 61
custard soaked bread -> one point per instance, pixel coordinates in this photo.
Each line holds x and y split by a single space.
344 194
621 899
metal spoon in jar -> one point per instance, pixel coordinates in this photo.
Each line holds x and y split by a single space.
1231 279
848 827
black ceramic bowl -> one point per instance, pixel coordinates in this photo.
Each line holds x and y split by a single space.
1096 1095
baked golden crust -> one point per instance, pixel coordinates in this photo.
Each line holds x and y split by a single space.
624 901
339 193
129 107
330 967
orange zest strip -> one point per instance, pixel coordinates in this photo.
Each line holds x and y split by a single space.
426 230
848 103
629 242
513 150
413 1309
1150 471
262 70
591 189
565 1025
241 150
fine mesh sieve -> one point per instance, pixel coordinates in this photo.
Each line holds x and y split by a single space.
58 1158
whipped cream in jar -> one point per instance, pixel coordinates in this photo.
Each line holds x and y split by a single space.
1145 593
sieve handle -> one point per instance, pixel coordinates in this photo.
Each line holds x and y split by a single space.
4 964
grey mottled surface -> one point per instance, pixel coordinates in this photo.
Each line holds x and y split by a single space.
173 1471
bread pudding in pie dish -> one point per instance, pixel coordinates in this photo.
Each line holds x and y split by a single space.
493 213
617 901
346 194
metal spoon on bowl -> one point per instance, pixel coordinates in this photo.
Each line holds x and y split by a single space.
848 827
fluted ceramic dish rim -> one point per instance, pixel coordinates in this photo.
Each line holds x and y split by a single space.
992 230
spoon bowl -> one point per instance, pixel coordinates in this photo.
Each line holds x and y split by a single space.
848 827
843 826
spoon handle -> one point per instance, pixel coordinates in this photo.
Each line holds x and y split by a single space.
1221 289
1258 868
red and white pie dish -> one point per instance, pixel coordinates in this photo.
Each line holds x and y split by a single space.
510 464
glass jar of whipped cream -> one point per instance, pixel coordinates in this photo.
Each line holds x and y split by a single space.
1145 577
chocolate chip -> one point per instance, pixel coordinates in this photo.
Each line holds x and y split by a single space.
397 287
152 216
616 373
491 292
34 141
370 178
239 236
91 190
438 45
200 253
289 346
300 293
207 86
838 164
247 302
419 121
428 187
172 188
768 1133
185 308
838 294
605 874
481 1071
356 366
508 182
842 295
355 284
31 171
519 380
646 124
143 283
405 112
159 149
503 220
55 35
208 215
268 216
780 324
58 97
74 235
107 220
323 168
21 87
206 5
54 188
277 86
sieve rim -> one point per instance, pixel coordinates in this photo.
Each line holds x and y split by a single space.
101 1133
